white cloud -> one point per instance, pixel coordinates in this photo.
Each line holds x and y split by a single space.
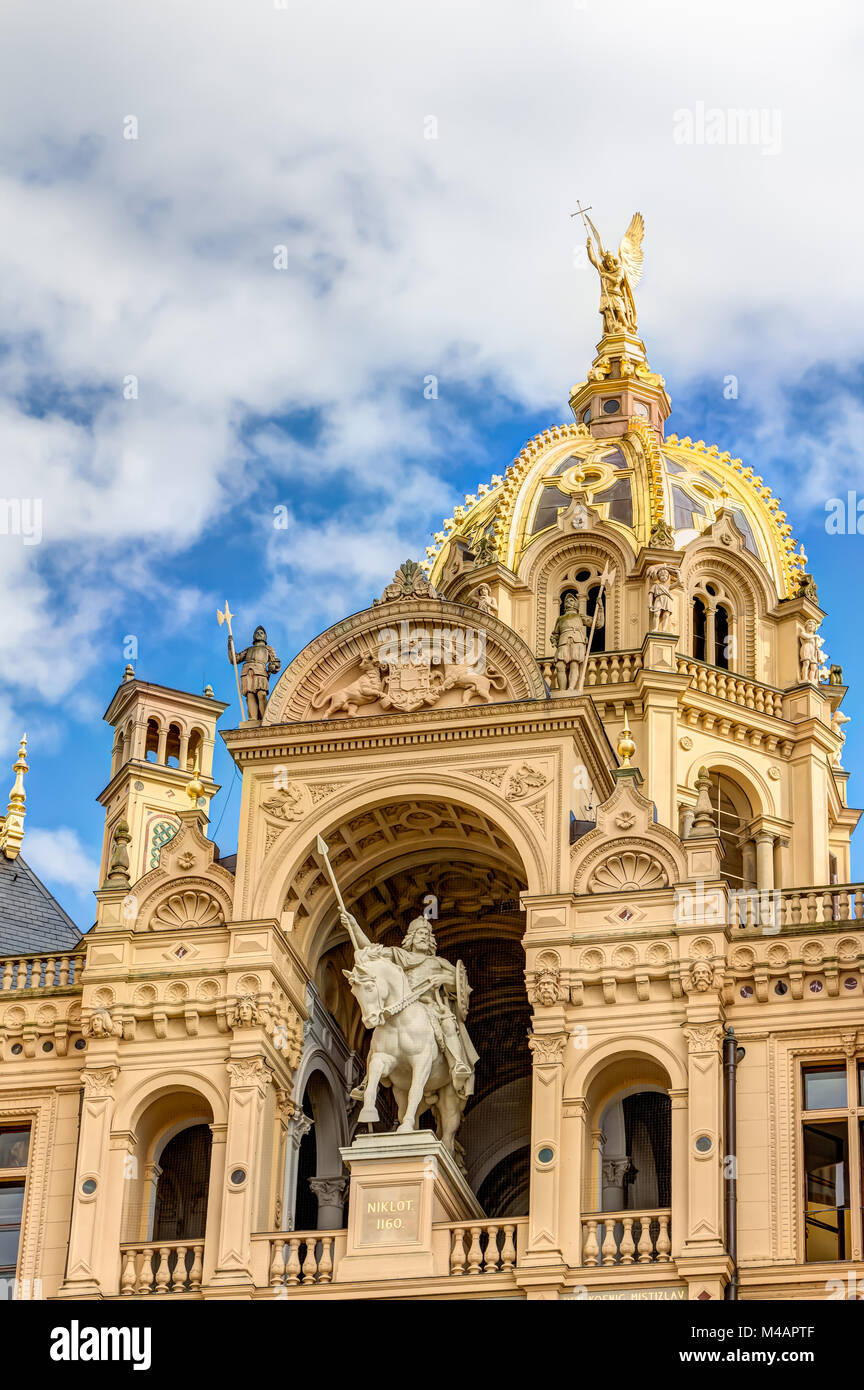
304 127
60 857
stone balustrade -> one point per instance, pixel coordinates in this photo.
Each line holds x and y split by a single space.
727 685
604 668
39 972
784 909
309 1257
626 1238
485 1247
161 1267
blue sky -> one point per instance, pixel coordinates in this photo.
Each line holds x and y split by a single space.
418 165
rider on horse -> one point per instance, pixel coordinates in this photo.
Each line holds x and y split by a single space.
433 981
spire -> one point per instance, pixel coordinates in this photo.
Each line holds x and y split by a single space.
12 830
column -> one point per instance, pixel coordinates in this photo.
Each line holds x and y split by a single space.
162 744
298 1125
765 861
92 1196
184 751
573 1139
704 1144
748 852
680 1181
710 643
249 1080
331 1194
547 1095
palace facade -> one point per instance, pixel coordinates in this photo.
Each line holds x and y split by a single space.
594 741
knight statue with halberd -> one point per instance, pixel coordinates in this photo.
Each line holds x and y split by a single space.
260 662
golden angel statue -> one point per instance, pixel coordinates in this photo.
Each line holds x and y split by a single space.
619 275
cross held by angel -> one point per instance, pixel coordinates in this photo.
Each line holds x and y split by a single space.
619 275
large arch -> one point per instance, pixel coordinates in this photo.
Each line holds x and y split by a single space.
455 859
292 862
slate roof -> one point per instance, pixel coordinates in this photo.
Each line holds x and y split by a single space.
32 922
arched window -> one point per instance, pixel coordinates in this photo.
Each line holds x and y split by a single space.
700 630
151 742
721 637
180 1211
172 746
196 750
712 616
732 813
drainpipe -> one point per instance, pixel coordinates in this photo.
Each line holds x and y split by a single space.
732 1055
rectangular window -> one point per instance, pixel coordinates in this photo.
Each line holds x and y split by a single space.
14 1146
825 1088
826 1168
14 1153
11 1210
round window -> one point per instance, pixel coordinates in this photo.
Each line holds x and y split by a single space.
238 1176
16 1049
850 983
47 1047
80 1044
781 988
815 986
545 1155
703 1144
88 1187
611 407
641 409
586 416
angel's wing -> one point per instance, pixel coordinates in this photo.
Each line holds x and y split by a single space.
630 250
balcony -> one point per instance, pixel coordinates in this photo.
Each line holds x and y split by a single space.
626 1238
161 1267
292 1261
57 971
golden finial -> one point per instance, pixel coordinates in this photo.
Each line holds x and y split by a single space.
626 746
12 832
195 787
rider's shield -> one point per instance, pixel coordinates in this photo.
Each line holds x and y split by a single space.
463 990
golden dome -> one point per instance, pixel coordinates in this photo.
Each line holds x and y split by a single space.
636 482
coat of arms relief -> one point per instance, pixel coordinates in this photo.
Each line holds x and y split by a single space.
412 665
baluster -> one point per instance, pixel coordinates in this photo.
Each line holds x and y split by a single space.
196 1273
627 1247
163 1274
325 1264
145 1273
64 971
508 1253
50 966
846 906
292 1268
277 1263
179 1283
664 1245
828 907
610 1245
7 976
811 907
457 1251
857 905
795 906
645 1246
475 1254
590 1249
130 1273
492 1251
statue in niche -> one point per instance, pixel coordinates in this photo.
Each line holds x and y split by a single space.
260 662
482 598
660 598
810 656
570 640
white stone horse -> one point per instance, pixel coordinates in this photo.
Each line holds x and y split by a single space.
404 1051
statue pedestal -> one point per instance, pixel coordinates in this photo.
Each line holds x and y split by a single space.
401 1184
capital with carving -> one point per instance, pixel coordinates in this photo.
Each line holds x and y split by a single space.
331 1192
704 1037
547 1048
250 1071
99 1084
